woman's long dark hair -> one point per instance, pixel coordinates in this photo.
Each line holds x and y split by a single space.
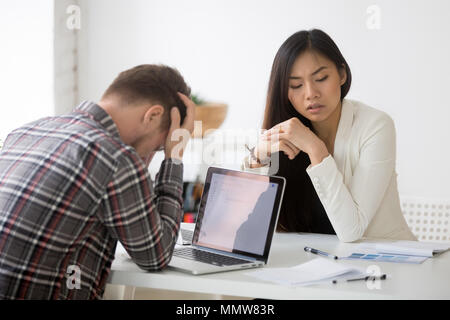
299 196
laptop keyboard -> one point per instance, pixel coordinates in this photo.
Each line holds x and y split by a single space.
207 257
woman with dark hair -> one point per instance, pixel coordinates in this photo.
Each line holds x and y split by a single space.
337 155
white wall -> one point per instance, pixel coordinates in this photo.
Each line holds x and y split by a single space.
225 48
26 62
67 21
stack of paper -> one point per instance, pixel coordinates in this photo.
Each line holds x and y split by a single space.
311 272
409 248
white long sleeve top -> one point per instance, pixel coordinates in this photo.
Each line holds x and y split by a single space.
357 185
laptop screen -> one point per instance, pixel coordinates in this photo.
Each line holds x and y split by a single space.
238 212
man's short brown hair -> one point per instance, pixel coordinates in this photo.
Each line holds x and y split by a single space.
155 84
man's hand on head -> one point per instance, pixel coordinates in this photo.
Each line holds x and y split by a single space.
178 136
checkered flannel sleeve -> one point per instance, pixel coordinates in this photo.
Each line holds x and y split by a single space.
145 220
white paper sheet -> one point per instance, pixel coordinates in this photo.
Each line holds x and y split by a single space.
411 248
311 272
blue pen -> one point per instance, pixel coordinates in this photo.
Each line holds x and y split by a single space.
321 253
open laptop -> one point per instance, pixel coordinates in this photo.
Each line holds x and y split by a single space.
235 224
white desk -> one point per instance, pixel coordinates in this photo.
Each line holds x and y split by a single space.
429 280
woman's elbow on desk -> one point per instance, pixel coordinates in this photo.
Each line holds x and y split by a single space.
348 239
349 235
349 227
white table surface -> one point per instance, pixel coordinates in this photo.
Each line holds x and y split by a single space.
428 280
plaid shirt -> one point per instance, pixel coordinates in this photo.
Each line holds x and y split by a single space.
69 189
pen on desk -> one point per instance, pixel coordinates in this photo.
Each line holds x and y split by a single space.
321 253
371 278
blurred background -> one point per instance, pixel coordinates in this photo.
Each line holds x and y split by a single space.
56 53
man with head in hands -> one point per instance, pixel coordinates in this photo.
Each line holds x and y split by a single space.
71 186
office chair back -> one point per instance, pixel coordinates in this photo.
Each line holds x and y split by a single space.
428 219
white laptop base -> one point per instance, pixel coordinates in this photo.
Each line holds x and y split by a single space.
236 220
198 268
